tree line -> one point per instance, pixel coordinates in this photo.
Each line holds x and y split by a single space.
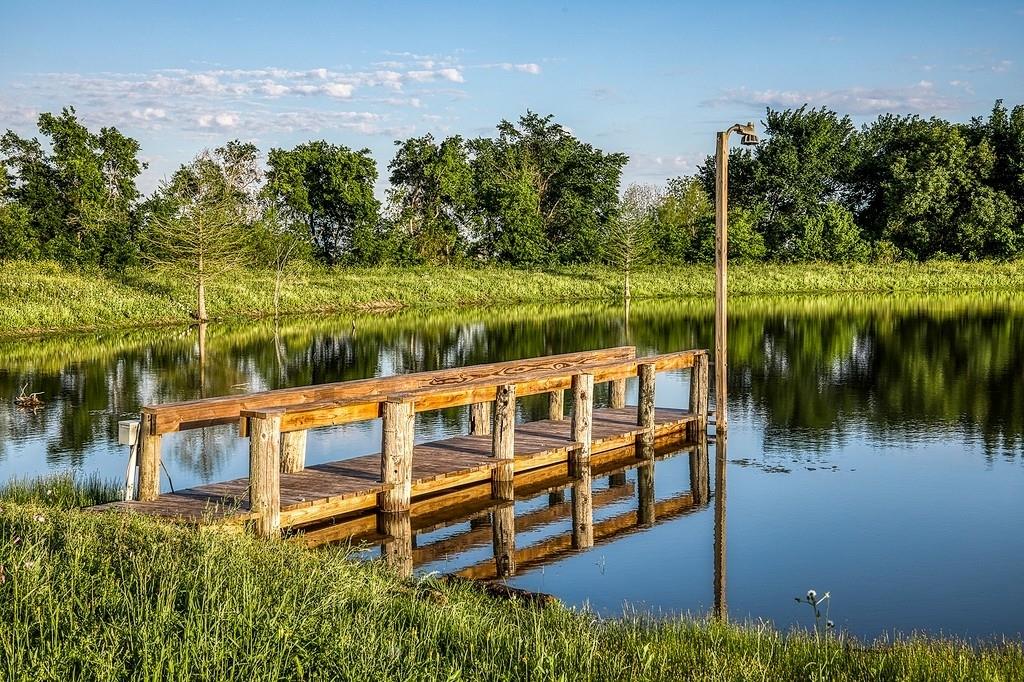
816 188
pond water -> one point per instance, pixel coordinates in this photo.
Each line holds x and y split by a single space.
875 449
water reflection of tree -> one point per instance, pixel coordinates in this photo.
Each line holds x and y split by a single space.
815 370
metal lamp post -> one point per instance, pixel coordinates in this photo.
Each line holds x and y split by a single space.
748 137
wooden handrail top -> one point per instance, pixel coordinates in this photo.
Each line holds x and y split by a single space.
335 412
181 416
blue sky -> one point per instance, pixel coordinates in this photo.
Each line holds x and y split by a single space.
654 80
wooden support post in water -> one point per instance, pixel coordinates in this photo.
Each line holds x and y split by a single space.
645 493
396 455
699 386
480 419
149 460
556 405
293 451
265 473
645 410
396 549
618 391
582 432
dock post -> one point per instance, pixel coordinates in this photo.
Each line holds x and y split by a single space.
645 410
149 460
556 405
699 386
293 451
582 432
503 530
503 440
618 391
480 419
396 455
265 473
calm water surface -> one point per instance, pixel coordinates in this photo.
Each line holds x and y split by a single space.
876 445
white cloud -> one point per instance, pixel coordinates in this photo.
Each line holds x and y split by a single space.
530 67
921 97
223 120
148 114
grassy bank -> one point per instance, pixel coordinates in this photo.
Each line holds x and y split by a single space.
88 596
40 297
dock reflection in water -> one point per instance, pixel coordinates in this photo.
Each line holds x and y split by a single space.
488 532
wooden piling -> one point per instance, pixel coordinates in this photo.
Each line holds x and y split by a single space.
618 393
645 410
265 473
700 483
582 432
556 405
396 455
293 451
699 385
149 460
480 419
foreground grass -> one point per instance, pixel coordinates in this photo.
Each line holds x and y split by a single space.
111 596
39 297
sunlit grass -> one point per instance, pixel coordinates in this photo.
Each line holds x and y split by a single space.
117 596
44 296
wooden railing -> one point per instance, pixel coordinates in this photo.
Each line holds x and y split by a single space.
266 426
158 420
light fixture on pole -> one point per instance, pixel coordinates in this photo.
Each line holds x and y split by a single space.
748 137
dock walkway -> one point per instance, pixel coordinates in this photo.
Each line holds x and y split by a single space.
282 492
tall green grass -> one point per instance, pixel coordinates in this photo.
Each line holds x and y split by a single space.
44 296
117 597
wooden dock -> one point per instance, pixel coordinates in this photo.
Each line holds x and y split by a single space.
281 492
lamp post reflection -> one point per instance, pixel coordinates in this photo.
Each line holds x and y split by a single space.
721 609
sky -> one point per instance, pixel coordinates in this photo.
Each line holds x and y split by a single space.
653 80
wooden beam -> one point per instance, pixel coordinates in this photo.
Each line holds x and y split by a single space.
556 404
397 438
149 460
480 419
191 414
618 393
265 474
645 410
582 432
698 397
293 451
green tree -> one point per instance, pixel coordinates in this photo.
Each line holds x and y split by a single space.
80 199
628 242
542 194
432 197
683 208
199 225
331 188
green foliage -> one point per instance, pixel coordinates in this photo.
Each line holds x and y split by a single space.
77 203
628 241
542 194
745 242
432 199
684 210
330 188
